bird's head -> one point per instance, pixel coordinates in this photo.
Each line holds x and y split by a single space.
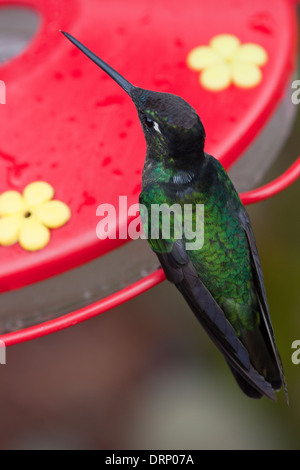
172 128
169 123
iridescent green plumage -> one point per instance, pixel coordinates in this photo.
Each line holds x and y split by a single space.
223 263
222 281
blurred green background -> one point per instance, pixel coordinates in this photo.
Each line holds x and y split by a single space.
145 375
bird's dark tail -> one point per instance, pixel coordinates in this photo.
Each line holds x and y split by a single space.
244 385
262 358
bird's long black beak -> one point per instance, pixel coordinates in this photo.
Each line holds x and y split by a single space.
127 86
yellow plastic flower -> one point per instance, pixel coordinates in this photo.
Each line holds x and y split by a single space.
27 218
227 61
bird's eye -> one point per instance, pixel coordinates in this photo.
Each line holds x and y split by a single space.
148 122
151 124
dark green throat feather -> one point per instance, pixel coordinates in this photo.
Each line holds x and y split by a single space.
222 281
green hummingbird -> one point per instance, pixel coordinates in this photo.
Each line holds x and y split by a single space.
222 281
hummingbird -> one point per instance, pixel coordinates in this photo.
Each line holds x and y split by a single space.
222 282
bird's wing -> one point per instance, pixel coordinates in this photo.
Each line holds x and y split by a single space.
180 271
261 294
